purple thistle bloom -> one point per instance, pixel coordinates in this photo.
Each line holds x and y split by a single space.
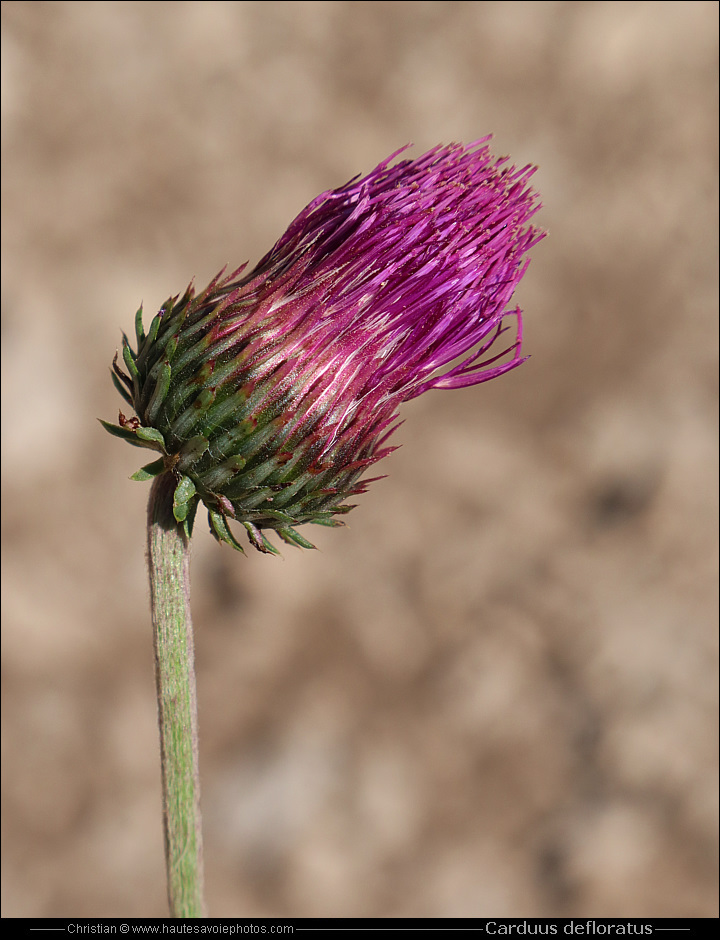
270 394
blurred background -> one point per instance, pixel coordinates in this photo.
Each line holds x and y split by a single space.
494 693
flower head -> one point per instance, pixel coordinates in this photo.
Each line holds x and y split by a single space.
269 394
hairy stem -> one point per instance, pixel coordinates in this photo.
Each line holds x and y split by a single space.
169 569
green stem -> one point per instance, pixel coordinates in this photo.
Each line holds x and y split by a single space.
169 569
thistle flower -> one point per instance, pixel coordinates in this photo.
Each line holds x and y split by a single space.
270 394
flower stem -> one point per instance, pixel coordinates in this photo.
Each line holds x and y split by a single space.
169 569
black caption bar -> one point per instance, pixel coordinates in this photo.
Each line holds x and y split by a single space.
500 927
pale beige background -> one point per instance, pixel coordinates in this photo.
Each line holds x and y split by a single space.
494 694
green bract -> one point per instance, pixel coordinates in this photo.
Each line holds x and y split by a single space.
221 440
